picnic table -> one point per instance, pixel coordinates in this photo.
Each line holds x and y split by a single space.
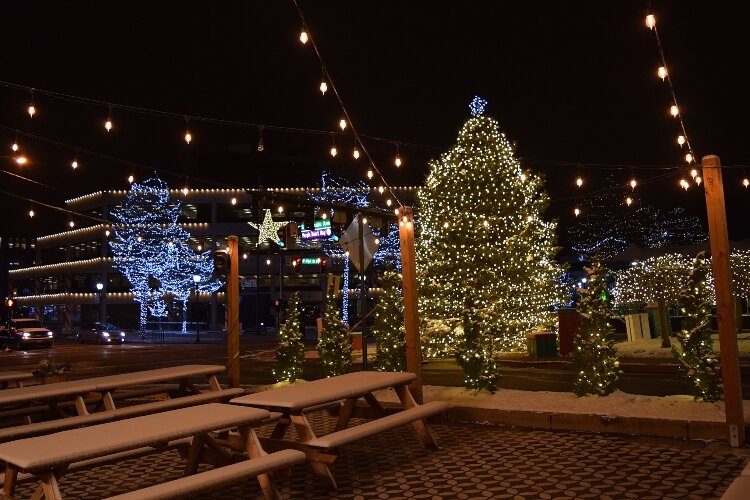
16 377
75 390
49 457
344 392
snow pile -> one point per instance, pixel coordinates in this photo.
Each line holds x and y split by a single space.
651 348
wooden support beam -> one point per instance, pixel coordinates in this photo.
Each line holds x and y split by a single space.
233 313
411 312
730 370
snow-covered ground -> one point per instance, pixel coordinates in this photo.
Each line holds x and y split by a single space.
652 348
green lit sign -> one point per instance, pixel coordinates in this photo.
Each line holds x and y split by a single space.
322 223
310 260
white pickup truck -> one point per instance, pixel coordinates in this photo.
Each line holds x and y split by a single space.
25 332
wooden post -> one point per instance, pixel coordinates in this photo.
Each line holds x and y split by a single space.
233 313
411 313
363 288
717 227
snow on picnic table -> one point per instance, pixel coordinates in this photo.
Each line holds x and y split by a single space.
617 404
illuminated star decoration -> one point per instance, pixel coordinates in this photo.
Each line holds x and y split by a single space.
269 230
477 106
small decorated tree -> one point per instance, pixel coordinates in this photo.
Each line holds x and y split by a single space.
697 359
334 344
290 351
594 355
388 326
475 351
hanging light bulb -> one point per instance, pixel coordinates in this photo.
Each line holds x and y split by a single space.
579 181
31 213
31 110
650 21
523 177
628 201
681 140
21 160
244 255
746 182
185 190
303 37
674 110
334 151
662 72
200 247
684 184
369 174
268 262
72 224
74 164
108 124
14 147
234 201
693 173
188 136
261 146
698 179
355 154
397 161
633 183
381 189
577 211
131 179
323 87
342 124
107 233
689 158
388 202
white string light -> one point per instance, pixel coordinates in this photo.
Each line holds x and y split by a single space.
323 87
74 164
303 36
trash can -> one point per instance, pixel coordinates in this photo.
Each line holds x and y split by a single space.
542 344
356 340
653 320
569 321
637 326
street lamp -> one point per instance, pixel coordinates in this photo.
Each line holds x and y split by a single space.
196 280
99 288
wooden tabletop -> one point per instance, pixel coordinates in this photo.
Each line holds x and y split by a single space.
13 376
326 390
108 383
63 448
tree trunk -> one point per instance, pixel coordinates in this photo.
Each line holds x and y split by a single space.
663 327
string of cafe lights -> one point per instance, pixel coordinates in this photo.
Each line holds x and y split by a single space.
304 38
683 140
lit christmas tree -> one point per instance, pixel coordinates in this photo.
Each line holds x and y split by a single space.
290 350
334 344
594 355
476 353
654 280
482 226
696 357
674 228
388 326
152 251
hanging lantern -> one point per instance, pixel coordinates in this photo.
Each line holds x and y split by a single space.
650 21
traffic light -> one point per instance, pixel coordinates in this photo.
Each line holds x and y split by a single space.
323 265
297 264
221 262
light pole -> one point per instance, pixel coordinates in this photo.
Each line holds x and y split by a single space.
196 280
99 288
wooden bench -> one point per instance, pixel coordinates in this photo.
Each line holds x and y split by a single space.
217 477
16 377
373 427
48 457
40 428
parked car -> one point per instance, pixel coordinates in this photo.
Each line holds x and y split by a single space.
25 332
101 333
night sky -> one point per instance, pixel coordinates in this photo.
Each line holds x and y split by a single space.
572 82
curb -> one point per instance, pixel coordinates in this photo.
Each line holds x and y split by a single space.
590 423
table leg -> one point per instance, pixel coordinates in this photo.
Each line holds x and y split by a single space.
281 427
254 450
374 404
213 383
11 480
109 402
305 433
345 413
194 455
407 401
50 486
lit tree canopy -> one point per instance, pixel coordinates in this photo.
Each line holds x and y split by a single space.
482 226
740 263
653 279
388 324
151 249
